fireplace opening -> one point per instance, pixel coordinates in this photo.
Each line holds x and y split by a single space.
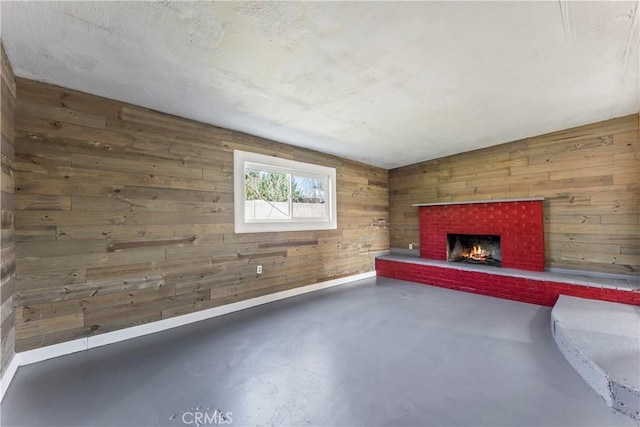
474 249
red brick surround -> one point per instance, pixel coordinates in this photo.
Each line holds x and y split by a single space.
520 227
542 292
518 223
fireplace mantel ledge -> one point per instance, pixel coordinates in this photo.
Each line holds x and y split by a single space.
470 202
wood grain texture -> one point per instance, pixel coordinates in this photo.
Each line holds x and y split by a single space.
125 216
589 177
7 207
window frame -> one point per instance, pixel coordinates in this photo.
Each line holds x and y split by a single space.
245 159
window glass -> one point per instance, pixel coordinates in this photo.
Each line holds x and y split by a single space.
275 194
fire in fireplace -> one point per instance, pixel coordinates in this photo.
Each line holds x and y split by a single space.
474 249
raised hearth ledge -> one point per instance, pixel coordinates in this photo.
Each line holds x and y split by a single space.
594 282
471 202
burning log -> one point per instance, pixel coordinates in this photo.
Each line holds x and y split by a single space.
474 250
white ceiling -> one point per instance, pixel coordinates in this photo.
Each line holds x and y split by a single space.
387 84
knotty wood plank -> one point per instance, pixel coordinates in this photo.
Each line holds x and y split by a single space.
33 91
59 248
289 243
60 335
30 170
134 192
89 292
65 187
41 218
39 264
158 167
132 291
51 112
60 278
165 268
99 204
48 310
58 130
171 218
144 231
25 202
46 326
121 246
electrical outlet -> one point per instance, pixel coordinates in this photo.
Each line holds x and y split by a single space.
259 269
410 245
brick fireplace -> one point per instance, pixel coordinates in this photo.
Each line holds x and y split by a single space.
518 224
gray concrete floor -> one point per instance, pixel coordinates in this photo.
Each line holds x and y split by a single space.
375 352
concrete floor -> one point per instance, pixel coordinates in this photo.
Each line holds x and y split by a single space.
375 352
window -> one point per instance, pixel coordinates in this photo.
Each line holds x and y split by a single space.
274 194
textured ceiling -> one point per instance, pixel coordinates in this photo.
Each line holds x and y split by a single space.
387 84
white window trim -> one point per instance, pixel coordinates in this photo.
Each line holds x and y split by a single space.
241 158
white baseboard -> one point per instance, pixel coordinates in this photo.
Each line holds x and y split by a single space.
82 344
7 375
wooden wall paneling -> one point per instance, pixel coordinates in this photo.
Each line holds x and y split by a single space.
7 209
61 114
125 216
588 176
59 278
39 93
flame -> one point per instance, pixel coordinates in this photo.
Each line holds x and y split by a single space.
476 253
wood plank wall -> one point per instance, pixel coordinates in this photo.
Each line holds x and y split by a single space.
7 246
125 216
589 176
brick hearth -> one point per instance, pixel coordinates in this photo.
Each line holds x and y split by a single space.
518 285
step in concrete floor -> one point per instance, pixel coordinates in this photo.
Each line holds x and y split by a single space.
601 340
